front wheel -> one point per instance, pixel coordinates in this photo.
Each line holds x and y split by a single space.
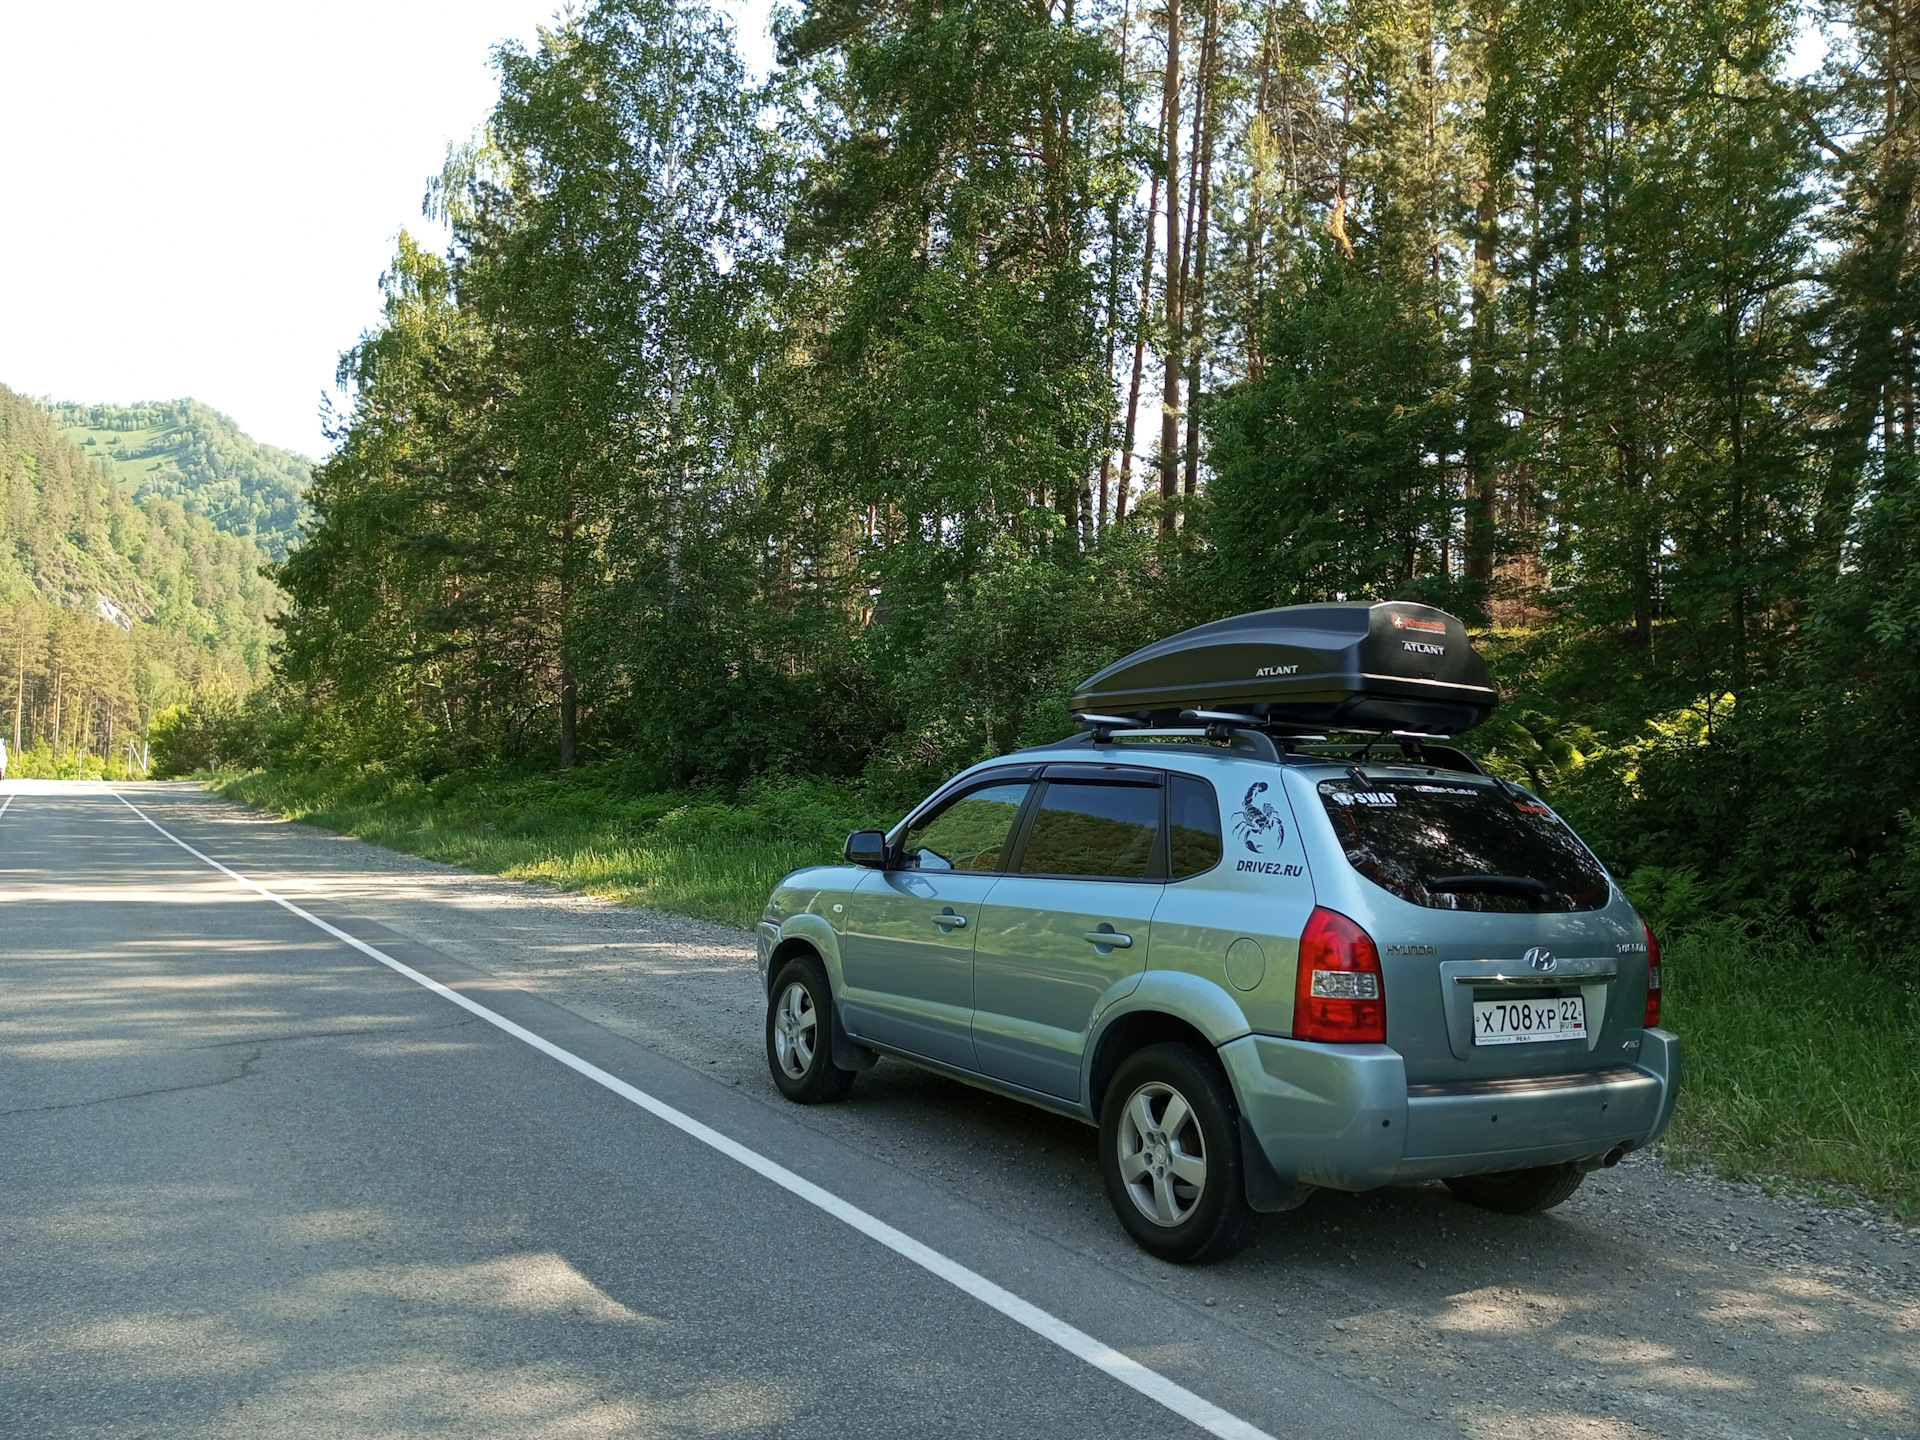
1519 1192
800 1020
1170 1154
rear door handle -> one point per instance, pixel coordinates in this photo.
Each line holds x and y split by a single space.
947 920
1110 939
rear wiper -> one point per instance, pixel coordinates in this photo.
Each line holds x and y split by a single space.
1491 885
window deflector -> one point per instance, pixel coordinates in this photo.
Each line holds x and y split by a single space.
942 800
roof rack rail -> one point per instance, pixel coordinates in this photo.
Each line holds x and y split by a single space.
1265 741
1274 729
1102 730
1414 745
1268 738
1102 725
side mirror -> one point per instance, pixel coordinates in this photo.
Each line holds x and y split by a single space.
868 848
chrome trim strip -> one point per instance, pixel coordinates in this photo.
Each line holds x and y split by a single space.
1528 1084
1539 979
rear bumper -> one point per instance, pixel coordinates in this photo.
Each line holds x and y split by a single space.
1344 1116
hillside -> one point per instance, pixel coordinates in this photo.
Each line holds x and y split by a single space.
193 455
111 608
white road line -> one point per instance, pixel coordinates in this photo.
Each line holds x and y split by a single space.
9 800
1151 1383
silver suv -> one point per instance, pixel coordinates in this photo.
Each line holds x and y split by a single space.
1259 959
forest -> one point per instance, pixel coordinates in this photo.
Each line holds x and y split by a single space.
118 616
833 425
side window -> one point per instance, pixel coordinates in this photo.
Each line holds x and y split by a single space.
1087 828
967 833
1193 826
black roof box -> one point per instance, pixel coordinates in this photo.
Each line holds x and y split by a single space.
1392 665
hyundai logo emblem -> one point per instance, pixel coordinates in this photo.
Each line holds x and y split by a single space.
1541 959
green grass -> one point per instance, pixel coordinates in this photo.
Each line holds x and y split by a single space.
113 445
1800 1065
688 853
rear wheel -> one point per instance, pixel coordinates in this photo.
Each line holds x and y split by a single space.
1519 1192
800 1020
1170 1154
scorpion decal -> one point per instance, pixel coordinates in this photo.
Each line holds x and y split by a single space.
1256 819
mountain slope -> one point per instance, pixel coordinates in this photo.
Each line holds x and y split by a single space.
193 455
74 543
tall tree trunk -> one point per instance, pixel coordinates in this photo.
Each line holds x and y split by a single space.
1635 471
1113 269
1174 338
1258 248
1337 224
1056 128
1737 450
1204 125
1907 418
569 687
20 687
569 714
1482 391
1147 245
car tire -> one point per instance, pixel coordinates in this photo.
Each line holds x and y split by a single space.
1519 1192
1179 1189
800 1034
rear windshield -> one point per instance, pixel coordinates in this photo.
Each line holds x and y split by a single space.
1451 845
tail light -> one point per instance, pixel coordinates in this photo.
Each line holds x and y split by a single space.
1653 978
1338 991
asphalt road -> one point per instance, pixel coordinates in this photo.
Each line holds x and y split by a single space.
254 1182
258 1184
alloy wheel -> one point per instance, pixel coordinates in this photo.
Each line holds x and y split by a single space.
796 1028
1163 1156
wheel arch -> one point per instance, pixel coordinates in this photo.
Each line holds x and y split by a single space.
805 935
848 1054
1128 1033
1165 1005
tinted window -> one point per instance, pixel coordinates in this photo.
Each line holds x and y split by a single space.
1085 828
968 833
1193 826
1429 841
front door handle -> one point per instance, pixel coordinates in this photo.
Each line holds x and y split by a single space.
1109 939
948 921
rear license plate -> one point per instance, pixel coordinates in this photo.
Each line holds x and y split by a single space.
1522 1022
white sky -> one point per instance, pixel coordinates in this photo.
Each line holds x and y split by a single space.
200 195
